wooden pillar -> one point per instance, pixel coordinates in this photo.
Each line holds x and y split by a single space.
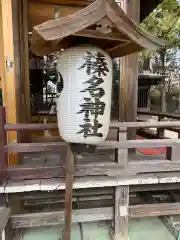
121 196
21 51
24 44
7 69
129 74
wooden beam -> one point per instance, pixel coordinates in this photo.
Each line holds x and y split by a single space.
65 2
58 146
7 69
46 171
129 74
92 214
155 187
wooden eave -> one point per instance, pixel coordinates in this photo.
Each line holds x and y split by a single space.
103 23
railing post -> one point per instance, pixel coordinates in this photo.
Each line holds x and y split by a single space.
122 153
160 131
173 153
68 194
121 195
3 142
121 212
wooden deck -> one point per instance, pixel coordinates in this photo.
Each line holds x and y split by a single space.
154 166
55 184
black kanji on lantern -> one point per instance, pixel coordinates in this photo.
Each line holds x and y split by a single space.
94 81
95 63
92 107
93 89
91 130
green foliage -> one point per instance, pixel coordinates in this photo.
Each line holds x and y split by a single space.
164 22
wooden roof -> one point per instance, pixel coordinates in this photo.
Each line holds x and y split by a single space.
102 23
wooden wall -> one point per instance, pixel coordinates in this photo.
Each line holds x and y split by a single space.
39 12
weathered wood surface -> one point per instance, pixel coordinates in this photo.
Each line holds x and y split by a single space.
113 124
106 169
55 184
88 215
122 154
139 143
93 182
57 146
121 195
129 75
155 187
70 168
102 169
5 214
121 212
55 218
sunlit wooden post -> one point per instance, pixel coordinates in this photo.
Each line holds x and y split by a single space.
7 69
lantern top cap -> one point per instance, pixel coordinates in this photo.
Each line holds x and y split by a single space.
101 20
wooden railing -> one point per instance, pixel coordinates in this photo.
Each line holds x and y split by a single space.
122 165
162 117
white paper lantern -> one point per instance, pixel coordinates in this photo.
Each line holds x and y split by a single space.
84 98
